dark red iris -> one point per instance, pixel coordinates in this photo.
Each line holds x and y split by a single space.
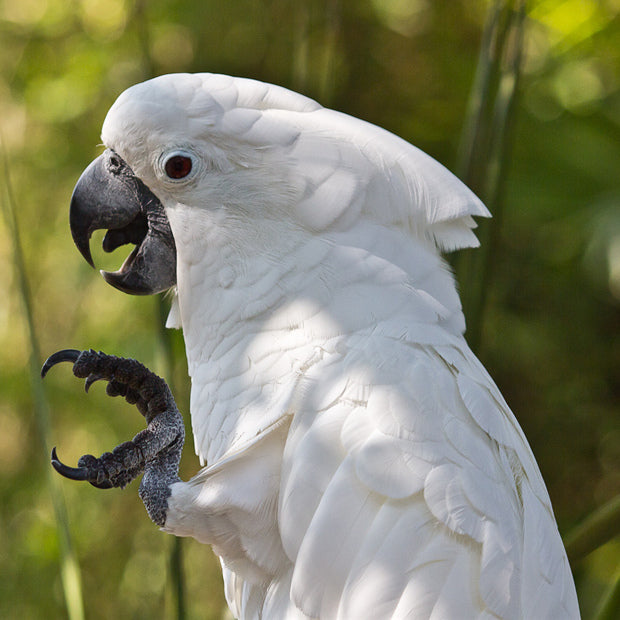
178 166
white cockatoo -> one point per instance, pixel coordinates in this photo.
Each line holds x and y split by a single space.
358 460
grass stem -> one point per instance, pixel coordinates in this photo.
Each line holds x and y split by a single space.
175 558
598 528
69 567
486 145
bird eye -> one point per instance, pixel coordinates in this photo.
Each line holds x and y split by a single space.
178 166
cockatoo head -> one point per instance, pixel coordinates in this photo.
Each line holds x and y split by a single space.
185 144
209 160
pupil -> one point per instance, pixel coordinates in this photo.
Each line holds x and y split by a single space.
178 167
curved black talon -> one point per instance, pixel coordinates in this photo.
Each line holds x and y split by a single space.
66 355
77 473
92 378
73 473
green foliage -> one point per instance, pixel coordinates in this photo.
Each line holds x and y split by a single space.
549 333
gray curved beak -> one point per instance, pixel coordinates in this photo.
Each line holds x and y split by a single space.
109 196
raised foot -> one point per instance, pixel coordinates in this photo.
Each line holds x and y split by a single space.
156 451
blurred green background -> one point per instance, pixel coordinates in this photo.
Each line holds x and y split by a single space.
549 334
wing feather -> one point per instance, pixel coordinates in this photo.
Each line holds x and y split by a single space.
422 500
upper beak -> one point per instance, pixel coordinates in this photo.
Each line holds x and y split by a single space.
108 195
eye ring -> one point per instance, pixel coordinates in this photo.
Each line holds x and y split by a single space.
178 166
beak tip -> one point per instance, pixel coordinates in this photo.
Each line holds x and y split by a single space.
88 257
81 239
115 279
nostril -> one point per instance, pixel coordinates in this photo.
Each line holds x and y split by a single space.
115 163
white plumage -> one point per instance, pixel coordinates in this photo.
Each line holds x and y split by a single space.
359 460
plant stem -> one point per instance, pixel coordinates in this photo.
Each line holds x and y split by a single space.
175 559
486 144
598 528
609 607
69 567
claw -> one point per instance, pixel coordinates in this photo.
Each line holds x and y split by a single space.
66 355
76 473
156 448
92 378
73 473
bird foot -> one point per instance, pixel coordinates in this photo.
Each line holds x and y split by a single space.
156 451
